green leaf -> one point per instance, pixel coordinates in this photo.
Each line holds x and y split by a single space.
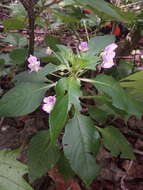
72 86
14 23
22 99
58 116
42 157
68 93
102 9
134 84
12 171
16 39
37 77
98 114
80 141
98 43
120 98
114 141
52 42
65 168
18 55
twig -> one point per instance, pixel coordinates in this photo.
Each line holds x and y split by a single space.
132 4
1 121
138 152
124 176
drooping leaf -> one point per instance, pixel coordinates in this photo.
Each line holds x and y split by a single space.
58 116
98 43
80 141
120 98
114 141
134 84
68 93
22 99
42 157
12 172
102 9
65 168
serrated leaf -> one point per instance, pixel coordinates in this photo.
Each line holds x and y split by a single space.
114 141
12 171
42 157
120 98
22 99
79 142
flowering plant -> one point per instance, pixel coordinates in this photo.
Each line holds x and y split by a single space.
82 137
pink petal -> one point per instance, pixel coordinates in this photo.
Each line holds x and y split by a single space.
111 47
83 46
32 59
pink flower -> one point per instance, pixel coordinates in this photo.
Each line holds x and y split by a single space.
108 55
49 103
83 46
34 64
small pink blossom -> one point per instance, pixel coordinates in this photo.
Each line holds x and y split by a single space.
34 64
49 103
108 55
83 46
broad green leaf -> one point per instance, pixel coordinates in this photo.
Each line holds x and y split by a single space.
98 43
98 114
120 98
16 39
12 172
68 93
14 23
22 99
80 140
37 77
114 141
65 168
42 157
58 116
51 42
134 84
102 9
18 55
72 86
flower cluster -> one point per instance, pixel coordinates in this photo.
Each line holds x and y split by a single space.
49 103
34 64
108 55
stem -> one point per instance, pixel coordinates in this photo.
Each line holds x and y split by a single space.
86 31
31 17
